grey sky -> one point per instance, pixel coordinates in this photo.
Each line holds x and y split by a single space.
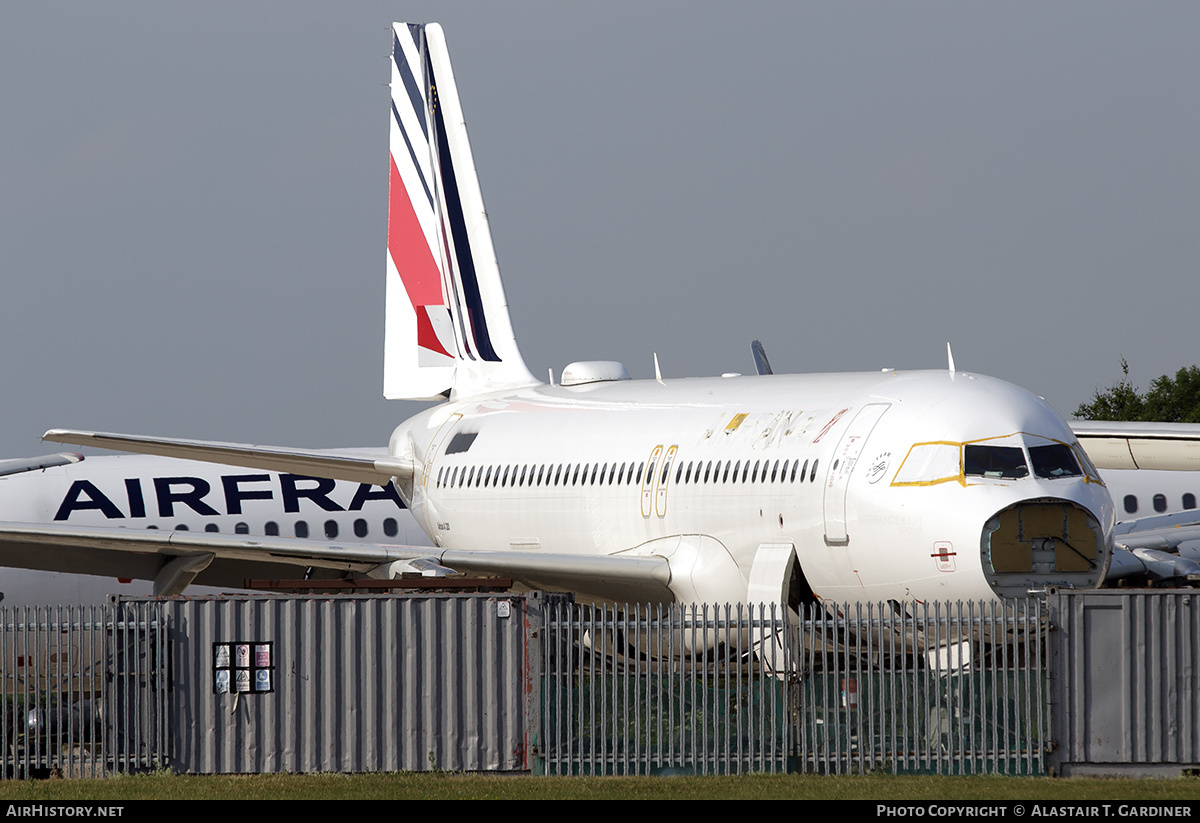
193 198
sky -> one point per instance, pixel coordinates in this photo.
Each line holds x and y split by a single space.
193 198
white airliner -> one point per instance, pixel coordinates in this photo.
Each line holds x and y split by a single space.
877 486
165 495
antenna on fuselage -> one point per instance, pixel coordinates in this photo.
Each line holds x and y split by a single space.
657 371
950 358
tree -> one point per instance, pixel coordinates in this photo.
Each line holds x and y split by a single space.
1170 400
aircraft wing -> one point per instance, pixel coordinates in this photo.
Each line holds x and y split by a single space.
1166 547
1121 445
360 467
174 560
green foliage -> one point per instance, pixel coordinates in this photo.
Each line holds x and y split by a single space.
1170 400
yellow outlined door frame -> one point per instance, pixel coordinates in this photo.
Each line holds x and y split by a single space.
664 482
648 481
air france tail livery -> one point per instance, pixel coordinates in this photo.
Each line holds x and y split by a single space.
888 485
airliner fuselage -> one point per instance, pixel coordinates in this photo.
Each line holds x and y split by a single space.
889 485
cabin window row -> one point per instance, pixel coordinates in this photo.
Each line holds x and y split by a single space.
1159 501
614 474
300 528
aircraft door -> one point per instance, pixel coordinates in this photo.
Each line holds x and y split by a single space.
842 466
648 481
435 446
664 482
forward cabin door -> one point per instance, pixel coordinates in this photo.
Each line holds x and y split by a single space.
845 457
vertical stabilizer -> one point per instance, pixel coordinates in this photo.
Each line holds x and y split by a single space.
448 329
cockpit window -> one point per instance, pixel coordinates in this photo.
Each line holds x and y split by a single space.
1055 460
994 461
928 464
1089 469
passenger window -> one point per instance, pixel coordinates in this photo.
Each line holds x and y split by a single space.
331 529
1131 505
390 527
211 527
301 528
1160 503
360 527
271 529
813 474
181 527
241 528
1189 500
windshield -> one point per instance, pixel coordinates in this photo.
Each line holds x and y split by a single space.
1055 460
994 461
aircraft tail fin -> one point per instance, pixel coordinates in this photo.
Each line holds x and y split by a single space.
448 330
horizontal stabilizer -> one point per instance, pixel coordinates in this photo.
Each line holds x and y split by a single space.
29 464
339 465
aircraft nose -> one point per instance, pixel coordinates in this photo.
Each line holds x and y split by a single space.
1034 544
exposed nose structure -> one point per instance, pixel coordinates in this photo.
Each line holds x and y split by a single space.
1034 544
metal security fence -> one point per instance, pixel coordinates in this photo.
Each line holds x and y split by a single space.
521 682
950 689
653 689
84 691
945 689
